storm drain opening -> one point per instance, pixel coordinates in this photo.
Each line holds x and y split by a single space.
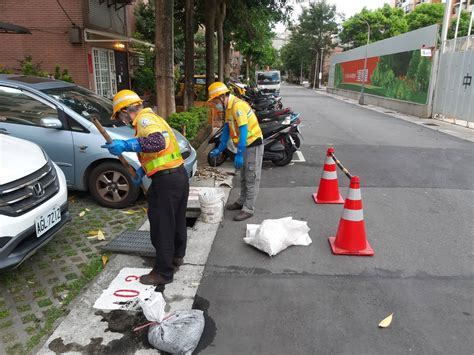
137 242
431 124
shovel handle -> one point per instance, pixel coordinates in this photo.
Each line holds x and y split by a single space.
104 133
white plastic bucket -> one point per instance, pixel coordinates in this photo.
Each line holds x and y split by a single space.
212 205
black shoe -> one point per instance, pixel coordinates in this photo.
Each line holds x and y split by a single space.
242 216
154 279
234 206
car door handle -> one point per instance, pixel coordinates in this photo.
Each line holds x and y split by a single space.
83 147
4 131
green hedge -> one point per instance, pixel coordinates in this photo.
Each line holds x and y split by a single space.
190 122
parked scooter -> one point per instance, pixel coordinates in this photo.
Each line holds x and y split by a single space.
281 138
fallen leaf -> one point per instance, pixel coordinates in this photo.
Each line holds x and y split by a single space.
82 213
386 322
88 210
100 235
93 237
145 209
92 232
129 212
105 259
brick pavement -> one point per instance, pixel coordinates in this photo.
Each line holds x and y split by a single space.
39 292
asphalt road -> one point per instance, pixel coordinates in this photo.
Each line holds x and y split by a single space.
417 189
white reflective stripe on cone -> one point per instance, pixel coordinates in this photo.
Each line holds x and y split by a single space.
329 161
354 195
329 175
353 215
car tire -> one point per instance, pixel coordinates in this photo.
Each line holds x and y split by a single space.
110 184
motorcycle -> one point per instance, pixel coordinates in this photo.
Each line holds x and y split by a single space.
281 139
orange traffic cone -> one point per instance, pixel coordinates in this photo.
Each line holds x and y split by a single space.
328 191
350 238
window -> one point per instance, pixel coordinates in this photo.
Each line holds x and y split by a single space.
104 72
20 107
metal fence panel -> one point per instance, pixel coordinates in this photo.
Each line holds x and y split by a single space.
454 95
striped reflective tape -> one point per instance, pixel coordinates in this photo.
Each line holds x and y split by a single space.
216 90
128 97
329 161
353 215
354 194
329 175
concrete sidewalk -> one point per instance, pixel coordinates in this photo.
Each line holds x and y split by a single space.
87 330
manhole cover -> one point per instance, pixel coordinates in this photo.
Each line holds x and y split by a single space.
431 124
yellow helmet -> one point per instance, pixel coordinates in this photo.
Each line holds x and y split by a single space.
216 89
123 99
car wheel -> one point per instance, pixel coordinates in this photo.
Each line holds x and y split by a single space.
110 184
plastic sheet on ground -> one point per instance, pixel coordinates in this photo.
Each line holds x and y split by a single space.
275 235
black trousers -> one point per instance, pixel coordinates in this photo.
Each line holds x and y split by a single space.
167 200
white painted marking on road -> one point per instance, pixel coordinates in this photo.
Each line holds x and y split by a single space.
300 157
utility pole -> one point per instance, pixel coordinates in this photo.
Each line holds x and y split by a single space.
361 99
321 68
315 69
470 22
446 18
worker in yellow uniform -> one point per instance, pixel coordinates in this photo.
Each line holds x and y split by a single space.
160 159
242 126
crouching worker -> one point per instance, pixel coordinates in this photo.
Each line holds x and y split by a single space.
160 159
242 126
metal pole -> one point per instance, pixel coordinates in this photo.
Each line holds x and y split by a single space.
470 22
321 68
459 18
301 73
361 99
446 19
315 69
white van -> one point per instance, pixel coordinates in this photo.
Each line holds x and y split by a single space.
268 80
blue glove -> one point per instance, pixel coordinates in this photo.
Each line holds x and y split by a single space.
137 180
119 146
223 143
239 158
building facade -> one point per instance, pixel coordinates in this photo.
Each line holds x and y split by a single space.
409 5
89 38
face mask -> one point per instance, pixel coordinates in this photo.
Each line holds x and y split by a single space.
220 107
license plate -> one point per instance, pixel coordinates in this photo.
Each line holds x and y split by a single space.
47 221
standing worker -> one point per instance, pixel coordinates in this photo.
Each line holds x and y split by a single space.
242 126
160 158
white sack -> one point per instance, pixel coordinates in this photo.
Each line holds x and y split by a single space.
275 235
153 306
179 333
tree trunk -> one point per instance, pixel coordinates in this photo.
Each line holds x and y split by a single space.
165 57
220 17
188 100
227 60
210 14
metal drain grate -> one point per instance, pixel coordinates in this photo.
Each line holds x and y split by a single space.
431 124
132 242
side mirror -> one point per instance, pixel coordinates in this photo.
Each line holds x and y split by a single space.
51 122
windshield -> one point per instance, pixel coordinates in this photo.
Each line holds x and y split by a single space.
268 78
85 103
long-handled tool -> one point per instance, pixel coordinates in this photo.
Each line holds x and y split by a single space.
124 161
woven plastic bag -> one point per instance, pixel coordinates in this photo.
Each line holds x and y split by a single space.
178 333
275 235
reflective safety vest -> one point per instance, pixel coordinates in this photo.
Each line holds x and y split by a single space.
239 112
146 123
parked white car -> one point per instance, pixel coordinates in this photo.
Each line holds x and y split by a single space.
33 200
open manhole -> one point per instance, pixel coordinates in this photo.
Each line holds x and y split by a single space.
431 124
